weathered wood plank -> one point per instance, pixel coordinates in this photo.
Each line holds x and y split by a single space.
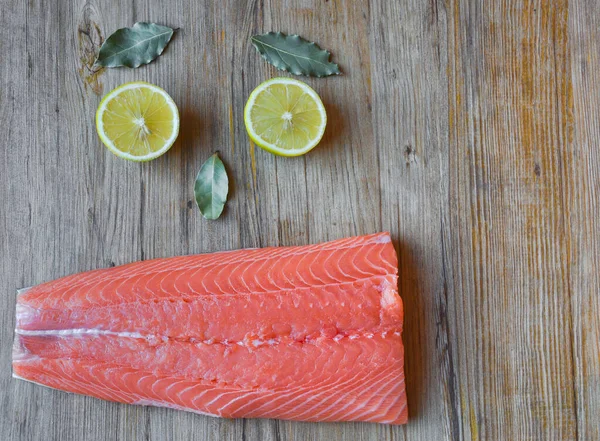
510 244
14 209
582 209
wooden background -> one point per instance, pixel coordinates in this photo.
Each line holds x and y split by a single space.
469 129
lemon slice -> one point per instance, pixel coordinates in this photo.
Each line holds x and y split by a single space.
285 117
137 121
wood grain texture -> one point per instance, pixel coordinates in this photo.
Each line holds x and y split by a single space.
466 128
512 169
583 207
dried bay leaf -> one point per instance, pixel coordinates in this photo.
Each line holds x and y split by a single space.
294 54
132 47
211 187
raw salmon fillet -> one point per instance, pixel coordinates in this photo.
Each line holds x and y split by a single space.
310 333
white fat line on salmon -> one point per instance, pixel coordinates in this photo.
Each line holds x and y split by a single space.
153 339
78 331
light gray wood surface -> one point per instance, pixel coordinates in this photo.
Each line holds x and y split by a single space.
468 129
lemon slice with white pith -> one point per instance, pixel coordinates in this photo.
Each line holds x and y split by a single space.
285 117
137 121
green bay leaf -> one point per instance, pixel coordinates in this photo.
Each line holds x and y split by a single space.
211 187
294 54
132 47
